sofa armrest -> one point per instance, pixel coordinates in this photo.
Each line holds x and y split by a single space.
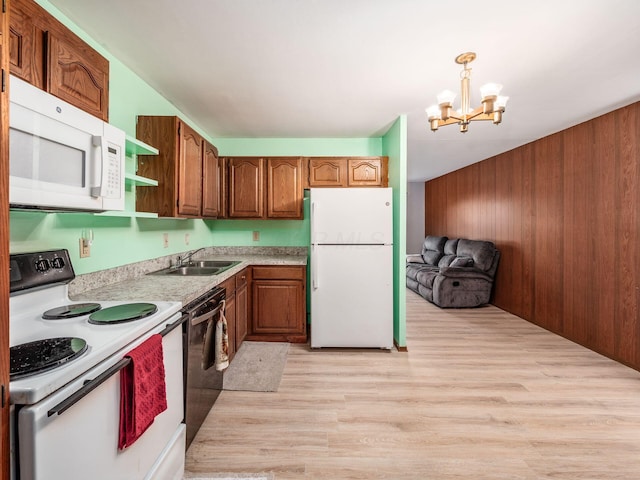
415 258
464 272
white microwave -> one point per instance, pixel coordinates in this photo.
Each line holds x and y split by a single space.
61 157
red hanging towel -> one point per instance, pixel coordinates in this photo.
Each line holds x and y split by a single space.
143 393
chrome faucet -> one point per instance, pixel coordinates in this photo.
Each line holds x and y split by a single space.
182 261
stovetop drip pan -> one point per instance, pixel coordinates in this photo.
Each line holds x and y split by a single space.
43 355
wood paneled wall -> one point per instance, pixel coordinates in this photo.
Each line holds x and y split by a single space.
565 213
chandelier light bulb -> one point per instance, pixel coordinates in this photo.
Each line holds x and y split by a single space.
501 102
446 97
490 90
433 112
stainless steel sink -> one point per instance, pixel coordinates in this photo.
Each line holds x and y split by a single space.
225 264
198 267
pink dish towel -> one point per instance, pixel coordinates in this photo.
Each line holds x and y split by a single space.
143 392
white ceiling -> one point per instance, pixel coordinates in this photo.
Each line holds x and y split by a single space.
349 68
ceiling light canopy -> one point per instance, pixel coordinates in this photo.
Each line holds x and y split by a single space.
493 104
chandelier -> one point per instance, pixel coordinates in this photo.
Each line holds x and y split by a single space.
493 104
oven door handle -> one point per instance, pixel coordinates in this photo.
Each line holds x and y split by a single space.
171 326
90 385
203 318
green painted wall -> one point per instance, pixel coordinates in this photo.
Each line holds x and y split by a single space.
394 145
299 146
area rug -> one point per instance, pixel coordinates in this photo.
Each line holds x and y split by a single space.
229 476
257 367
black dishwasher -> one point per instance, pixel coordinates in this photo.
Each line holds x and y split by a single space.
202 382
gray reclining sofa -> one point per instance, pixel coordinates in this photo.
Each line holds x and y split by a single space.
453 273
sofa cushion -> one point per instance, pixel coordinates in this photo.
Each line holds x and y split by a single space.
426 277
451 246
446 261
461 262
433 249
481 252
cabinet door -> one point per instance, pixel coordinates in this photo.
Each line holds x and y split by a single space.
246 187
230 314
276 306
242 303
365 172
162 133
284 188
190 172
210 181
327 172
229 286
77 74
25 46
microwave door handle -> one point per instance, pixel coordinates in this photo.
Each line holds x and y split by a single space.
99 190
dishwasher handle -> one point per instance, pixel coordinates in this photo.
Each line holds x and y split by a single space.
207 316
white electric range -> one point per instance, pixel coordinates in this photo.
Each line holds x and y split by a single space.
65 359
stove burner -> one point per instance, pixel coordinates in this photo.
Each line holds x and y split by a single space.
122 313
71 311
42 355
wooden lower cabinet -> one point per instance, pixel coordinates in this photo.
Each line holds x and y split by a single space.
278 304
242 307
230 314
236 308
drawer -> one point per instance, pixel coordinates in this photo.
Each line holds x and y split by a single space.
279 273
241 279
229 285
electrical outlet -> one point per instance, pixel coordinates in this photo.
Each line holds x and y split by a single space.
165 240
256 235
85 249
186 239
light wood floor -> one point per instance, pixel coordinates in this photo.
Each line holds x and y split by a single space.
481 394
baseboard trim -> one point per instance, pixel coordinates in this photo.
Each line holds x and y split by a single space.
400 348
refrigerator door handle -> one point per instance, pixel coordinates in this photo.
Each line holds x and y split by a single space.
313 223
314 268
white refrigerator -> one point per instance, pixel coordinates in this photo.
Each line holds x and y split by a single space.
351 267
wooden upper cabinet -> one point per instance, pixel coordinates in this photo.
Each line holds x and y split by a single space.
25 53
181 167
245 187
77 74
368 171
284 188
210 181
347 172
190 171
327 172
40 45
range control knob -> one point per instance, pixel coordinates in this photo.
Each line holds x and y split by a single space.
57 263
42 265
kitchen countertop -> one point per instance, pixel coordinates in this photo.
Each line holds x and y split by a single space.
180 288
